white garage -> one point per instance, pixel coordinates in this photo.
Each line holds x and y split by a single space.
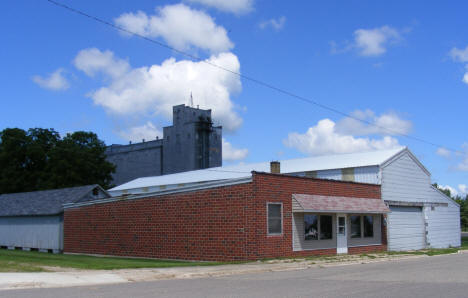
406 228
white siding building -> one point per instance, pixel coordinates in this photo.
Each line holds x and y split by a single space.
34 220
420 217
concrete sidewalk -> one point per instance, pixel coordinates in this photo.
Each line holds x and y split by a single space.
71 278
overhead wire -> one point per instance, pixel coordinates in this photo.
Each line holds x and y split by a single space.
249 78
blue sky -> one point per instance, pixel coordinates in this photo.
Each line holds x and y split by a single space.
402 65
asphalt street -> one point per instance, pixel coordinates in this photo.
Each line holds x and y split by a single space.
438 276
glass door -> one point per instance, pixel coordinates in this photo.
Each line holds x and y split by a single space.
341 239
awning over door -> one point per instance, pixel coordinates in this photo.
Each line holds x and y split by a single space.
316 203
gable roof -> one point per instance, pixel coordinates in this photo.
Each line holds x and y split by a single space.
411 155
317 163
44 202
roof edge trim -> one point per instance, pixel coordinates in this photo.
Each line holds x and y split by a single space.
160 193
445 196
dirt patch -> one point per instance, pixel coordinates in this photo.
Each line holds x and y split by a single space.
60 269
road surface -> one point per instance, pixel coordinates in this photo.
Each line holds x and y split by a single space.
438 276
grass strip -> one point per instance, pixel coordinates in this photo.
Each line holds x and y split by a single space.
31 261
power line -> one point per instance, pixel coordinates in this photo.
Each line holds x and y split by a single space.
251 79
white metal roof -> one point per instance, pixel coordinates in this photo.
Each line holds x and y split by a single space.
326 162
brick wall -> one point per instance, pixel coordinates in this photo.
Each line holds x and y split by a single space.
224 223
199 225
366 249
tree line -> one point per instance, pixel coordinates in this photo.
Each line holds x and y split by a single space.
39 159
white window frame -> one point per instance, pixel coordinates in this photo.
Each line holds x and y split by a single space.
268 217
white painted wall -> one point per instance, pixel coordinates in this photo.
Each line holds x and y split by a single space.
367 175
42 232
404 180
443 223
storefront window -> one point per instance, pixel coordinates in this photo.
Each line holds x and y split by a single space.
326 227
311 227
318 227
368 226
355 226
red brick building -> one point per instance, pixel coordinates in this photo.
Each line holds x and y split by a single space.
261 216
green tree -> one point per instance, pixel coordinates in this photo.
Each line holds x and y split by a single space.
463 212
39 159
79 159
14 160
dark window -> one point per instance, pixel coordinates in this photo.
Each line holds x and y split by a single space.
311 226
326 227
318 227
368 226
95 192
355 226
275 222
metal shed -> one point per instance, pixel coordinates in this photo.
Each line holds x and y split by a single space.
34 220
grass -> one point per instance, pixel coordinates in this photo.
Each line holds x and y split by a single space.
31 261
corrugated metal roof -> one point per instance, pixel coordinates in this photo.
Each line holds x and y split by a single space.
316 203
317 163
44 202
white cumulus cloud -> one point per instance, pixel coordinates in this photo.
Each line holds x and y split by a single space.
461 55
323 139
92 61
154 89
276 24
233 154
54 81
458 157
145 132
443 152
237 7
463 189
181 26
385 124
374 42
